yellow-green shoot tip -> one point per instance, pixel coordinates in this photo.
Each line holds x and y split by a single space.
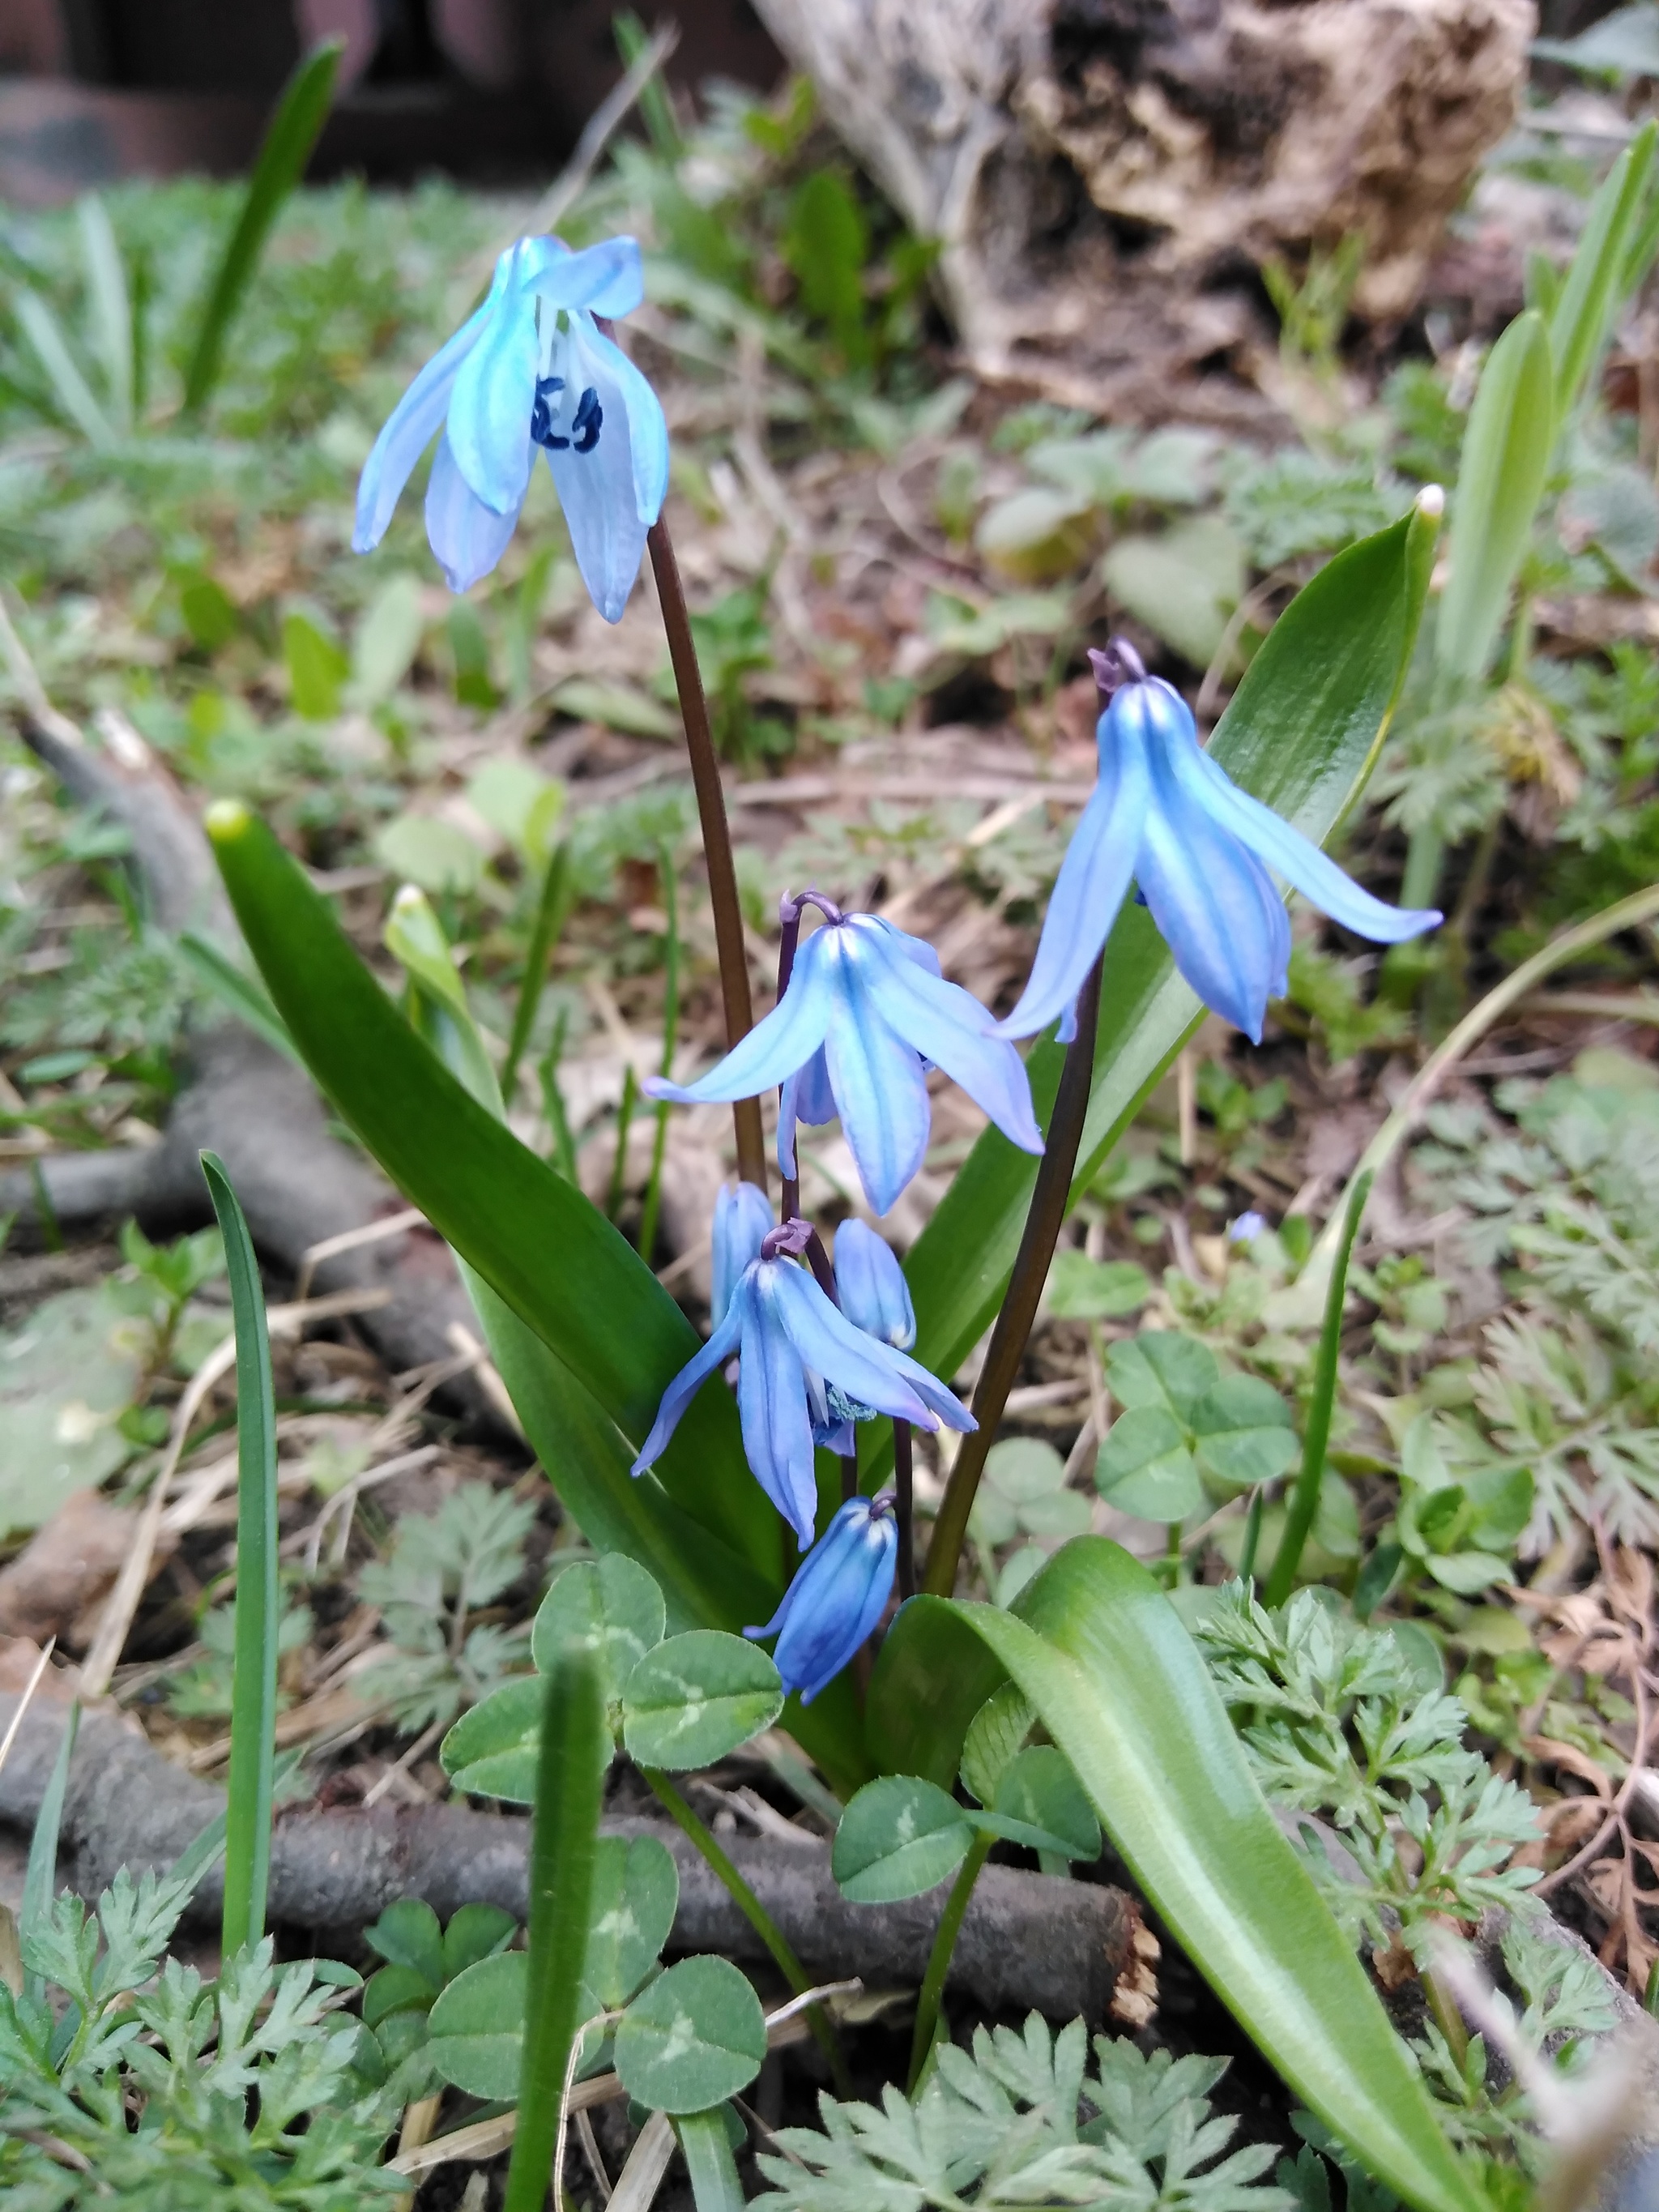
409 895
226 818
1431 501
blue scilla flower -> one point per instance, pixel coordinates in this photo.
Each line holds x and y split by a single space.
530 368
837 1596
742 1217
804 1372
866 1012
871 1285
1168 816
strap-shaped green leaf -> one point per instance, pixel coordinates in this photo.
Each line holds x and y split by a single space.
1101 1654
1301 734
1506 451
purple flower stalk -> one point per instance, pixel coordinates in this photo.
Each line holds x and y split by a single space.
837 1596
1166 815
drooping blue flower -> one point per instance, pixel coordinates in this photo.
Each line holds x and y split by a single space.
864 1013
530 368
1166 815
839 1593
871 1285
1247 1227
803 1370
742 1217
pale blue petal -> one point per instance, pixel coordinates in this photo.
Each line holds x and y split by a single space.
468 537
881 1093
611 493
686 1384
606 279
1314 873
941 1402
815 1102
871 1285
777 1433
1211 898
774 1048
948 1025
743 1215
914 948
835 1600
408 431
490 408
826 1340
1093 879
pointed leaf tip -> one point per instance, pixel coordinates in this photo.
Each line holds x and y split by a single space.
1431 502
226 818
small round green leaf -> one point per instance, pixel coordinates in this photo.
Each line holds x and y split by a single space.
395 1988
1144 1466
491 1751
1040 1801
1082 1288
476 2029
407 1934
1024 1468
696 1697
899 1836
1160 1367
695 2036
1243 1432
613 1605
637 1894
476 1931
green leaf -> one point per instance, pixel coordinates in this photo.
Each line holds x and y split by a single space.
900 1836
1300 733
476 1931
826 245
1161 1367
477 2027
209 613
491 1751
1102 1655
696 2036
610 1606
1082 1288
637 1894
73 394
244 995
709 2164
996 1736
1144 1466
407 1935
1039 1797
109 306
1183 584
316 669
1243 1432
1591 291
387 640
697 1696
282 156
397 1988
1506 452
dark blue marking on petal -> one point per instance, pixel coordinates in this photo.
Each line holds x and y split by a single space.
585 430
541 415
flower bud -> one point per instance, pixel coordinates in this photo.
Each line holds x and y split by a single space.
871 1285
837 1596
743 1215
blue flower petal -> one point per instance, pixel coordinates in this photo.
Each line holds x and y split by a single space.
825 1340
1300 861
686 1384
613 492
948 1025
743 1215
409 429
606 279
774 1048
835 1600
489 409
871 1285
805 1096
880 1091
1213 905
777 1433
468 537
1094 877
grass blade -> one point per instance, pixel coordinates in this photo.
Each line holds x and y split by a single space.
551 912
1592 291
69 389
569 1784
110 306
1305 1499
708 2161
1500 480
299 116
41 1879
253 1675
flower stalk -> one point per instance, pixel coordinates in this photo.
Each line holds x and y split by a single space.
1019 1305
938 1958
739 1003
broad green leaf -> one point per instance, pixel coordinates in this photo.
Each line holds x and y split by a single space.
475 1932
387 640
67 1373
1024 1468
491 1751
1160 1367
407 1935
1591 291
697 1696
1082 1288
1144 1466
1118 1684
436 856
996 1737
1506 452
397 1988
612 1606
900 1836
695 2036
209 613
1183 584
1039 1800
316 669
1243 1433
476 2028
637 1894
1301 734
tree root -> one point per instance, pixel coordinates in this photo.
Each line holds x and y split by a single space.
1065 1947
298 1184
